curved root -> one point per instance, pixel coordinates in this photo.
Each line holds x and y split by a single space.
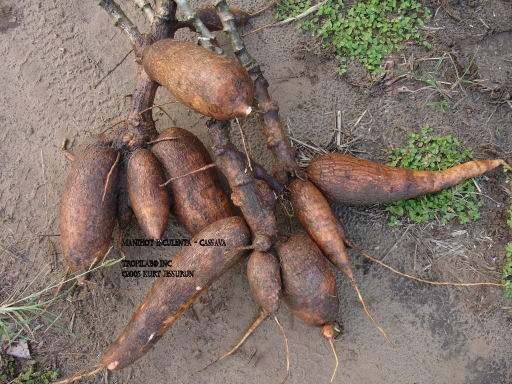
370 315
81 376
336 358
250 330
287 350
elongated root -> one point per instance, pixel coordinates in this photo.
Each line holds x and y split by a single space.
65 152
328 333
336 358
113 69
370 315
247 248
82 376
260 11
287 350
110 174
206 167
164 139
242 135
363 253
262 316
283 22
506 165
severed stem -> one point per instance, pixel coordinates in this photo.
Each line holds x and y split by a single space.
228 21
165 15
207 39
277 142
121 20
146 8
164 11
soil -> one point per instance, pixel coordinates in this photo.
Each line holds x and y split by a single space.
52 53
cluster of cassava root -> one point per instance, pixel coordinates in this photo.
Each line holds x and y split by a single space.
134 169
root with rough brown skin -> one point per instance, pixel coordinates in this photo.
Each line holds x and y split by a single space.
245 192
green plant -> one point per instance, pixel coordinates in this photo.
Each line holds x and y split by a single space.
17 315
11 373
427 152
366 31
432 82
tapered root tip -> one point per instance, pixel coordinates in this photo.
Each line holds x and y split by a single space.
328 332
364 254
506 165
81 376
287 349
336 358
370 315
250 330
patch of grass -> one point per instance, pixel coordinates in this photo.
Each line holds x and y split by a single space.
17 315
432 82
366 31
12 373
434 153
431 79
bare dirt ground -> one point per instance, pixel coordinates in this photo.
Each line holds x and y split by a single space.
52 53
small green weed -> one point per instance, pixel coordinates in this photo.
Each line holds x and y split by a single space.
11 373
432 82
431 79
435 153
366 31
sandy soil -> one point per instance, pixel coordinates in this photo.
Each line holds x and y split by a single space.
53 52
